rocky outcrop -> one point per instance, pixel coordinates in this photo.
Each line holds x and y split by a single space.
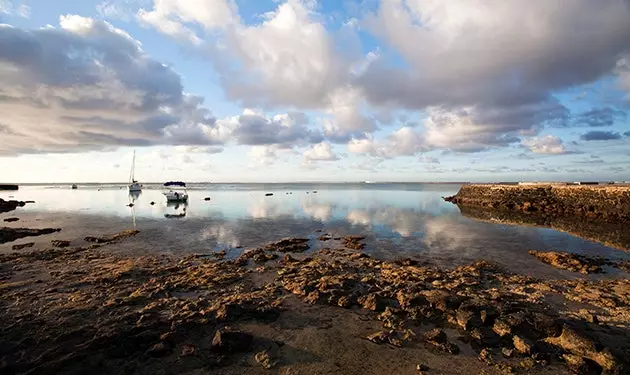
7 206
603 203
118 236
11 234
571 262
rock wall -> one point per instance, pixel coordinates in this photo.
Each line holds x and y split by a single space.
603 203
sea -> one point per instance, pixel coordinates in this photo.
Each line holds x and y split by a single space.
399 220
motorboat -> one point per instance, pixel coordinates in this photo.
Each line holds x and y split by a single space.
74 186
134 186
176 191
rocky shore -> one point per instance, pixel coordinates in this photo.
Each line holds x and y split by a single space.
71 309
600 203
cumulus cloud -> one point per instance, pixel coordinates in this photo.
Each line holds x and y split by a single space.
597 135
320 152
506 76
405 141
87 85
547 144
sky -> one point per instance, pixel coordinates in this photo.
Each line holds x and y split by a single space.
314 90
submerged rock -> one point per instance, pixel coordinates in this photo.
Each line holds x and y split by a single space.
353 242
60 243
11 234
289 245
118 236
11 219
571 262
22 245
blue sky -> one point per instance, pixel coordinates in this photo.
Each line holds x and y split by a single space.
305 90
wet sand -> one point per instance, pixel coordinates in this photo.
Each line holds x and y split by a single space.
92 308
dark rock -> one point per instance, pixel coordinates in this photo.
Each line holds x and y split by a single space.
206 198
436 336
60 243
11 219
507 352
152 203
379 337
11 234
106 239
289 245
485 336
130 205
372 302
226 340
353 242
579 344
485 355
187 350
7 206
159 350
22 245
268 194
468 320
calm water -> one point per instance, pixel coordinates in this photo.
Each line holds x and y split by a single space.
400 220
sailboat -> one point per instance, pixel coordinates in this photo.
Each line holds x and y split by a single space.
133 184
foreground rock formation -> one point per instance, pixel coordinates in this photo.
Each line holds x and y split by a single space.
86 309
601 203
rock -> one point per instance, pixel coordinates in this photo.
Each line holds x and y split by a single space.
11 234
187 350
11 219
265 359
372 302
436 336
226 340
152 203
485 355
130 205
289 245
206 199
159 350
421 368
378 337
579 344
507 352
60 243
467 320
568 261
325 237
268 194
353 242
107 239
22 246
10 205
522 345
485 336
591 318
219 254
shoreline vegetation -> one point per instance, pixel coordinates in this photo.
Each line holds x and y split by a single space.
282 308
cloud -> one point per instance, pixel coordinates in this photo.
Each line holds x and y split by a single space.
458 67
21 10
87 85
320 152
428 160
403 142
599 117
255 129
627 134
547 144
597 135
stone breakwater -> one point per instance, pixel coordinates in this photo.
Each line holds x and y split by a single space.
598 203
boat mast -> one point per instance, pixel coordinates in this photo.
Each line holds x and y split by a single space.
133 168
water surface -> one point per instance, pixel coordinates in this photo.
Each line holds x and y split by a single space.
400 220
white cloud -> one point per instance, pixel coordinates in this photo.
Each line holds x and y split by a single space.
547 144
11 7
320 152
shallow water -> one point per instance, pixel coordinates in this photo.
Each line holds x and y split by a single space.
400 220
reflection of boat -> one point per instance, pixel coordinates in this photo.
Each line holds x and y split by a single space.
176 191
134 194
175 204
133 184
74 186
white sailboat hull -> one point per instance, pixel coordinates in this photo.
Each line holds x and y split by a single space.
176 196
